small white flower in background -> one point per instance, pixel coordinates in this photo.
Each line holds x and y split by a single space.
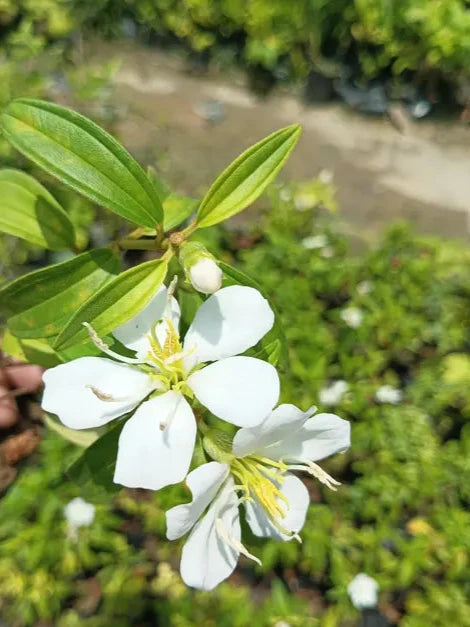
325 176
285 194
315 241
363 591
352 316
332 394
364 288
389 394
206 276
257 467
78 513
157 442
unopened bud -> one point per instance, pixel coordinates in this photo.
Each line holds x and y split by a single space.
201 268
218 445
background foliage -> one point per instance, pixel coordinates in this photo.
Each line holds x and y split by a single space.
423 41
402 513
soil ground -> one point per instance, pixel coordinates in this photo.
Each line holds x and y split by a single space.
381 174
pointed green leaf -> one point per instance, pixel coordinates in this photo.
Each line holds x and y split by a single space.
273 346
37 352
247 177
84 437
97 463
176 209
29 211
84 156
41 303
115 303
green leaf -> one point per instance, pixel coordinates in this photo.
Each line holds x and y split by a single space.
115 303
161 189
29 211
37 352
98 461
247 177
84 437
176 209
84 156
40 303
273 346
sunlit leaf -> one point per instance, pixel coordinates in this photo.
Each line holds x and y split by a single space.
36 351
40 303
247 177
115 303
84 156
29 211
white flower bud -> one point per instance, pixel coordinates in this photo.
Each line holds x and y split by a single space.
363 591
79 513
205 276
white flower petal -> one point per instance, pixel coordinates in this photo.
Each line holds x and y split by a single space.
319 437
290 434
156 444
240 390
294 519
205 276
278 426
79 513
133 333
90 391
363 591
204 482
228 323
206 560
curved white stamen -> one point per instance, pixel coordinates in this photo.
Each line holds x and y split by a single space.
316 471
103 396
104 348
233 542
164 424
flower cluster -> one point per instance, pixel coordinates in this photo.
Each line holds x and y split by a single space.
168 386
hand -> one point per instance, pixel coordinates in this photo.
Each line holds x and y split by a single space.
16 379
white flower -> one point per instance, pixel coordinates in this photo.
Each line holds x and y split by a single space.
325 176
157 442
315 241
79 513
275 500
333 394
352 316
363 591
389 394
205 276
364 288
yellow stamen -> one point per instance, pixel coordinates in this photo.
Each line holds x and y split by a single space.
259 479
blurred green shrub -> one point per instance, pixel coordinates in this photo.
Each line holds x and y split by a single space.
427 39
402 514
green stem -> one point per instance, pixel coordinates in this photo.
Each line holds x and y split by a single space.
189 229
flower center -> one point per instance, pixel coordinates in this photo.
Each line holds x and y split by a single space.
167 359
260 480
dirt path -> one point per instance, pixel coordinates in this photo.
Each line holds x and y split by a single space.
381 175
